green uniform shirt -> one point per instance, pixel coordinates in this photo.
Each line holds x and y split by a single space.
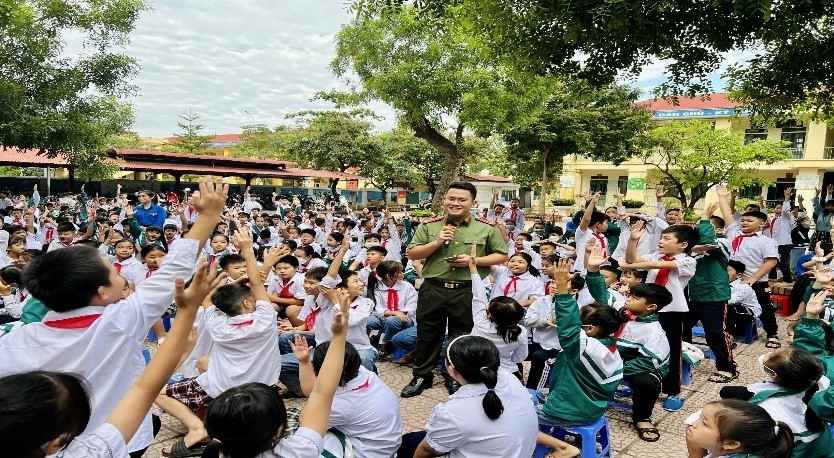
469 231
710 282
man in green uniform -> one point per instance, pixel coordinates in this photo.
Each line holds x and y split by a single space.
446 294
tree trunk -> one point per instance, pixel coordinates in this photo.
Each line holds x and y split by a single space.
453 151
333 183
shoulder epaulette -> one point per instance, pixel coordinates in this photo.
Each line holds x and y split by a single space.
486 221
433 220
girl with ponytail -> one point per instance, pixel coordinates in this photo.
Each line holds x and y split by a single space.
518 280
736 428
490 415
498 321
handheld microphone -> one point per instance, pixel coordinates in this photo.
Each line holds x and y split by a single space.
449 225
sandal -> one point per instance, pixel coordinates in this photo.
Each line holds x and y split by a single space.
645 433
773 342
179 449
722 377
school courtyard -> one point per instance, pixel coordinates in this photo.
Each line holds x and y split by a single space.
624 440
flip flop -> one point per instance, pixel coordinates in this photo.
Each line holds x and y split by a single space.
773 342
643 433
719 377
180 450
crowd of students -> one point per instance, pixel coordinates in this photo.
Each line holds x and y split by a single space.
300 304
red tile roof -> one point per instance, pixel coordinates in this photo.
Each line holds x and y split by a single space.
716 100
29 158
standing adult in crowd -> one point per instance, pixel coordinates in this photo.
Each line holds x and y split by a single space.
445 297
147 213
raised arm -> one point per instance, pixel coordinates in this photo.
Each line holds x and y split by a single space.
333 270
591 201
243 241
724 202
637 230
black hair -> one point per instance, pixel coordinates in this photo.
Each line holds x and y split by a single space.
229 298
15 241
218 234
231 258
291 244
154 229
612 269
308 251
11 275
265 234
718 221
752 427
557 230
548 243
38 407
653 294
577 283
738 266
337 236
598 217
505 312
672 210
373 235
352 361
308 231
148 249
800 370
66 226
350 224
289 259
31 254
466 186
683 234
383 269
533 271
604 317
345 274
477 360
320 221
245 421
317 273
66 279
12 228
170 226
378 249
638 274
755 214
525 235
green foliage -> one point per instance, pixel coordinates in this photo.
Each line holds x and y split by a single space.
55 102
633 203
94 166
422 213
693 156
564 202
190 141
387 166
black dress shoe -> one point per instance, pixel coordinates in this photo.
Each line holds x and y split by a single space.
452 385
416 386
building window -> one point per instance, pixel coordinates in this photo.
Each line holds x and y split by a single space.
622 184
796 137
752 135
599 184
750 192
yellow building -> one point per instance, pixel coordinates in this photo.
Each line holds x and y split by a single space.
811 143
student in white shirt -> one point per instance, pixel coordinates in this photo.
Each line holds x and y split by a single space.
779 229
43 397
249 420
364 407
395 302
285 287
744 305
593 224
518 280
242 325
88 328
490 415
127 265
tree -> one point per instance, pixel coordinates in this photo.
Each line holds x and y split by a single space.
387 164
603 124
331 140
434 78
428 162
601 39
190 140
693 156
61 103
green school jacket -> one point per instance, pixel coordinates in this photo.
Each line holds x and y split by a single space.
710 282
586 372
809 335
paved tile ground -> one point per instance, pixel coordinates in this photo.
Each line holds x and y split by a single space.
624 439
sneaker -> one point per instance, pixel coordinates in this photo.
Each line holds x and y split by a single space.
673 403
416 386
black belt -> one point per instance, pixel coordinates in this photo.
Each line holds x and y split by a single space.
449 284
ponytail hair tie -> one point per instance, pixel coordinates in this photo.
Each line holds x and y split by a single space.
484 368
491 389
214 439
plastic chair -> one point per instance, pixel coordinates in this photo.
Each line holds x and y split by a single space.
166 324
686 373
589 436
398 353
623 391
782 303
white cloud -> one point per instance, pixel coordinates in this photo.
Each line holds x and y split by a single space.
227 60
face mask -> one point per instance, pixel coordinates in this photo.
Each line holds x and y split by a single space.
766 373
371 244
301 261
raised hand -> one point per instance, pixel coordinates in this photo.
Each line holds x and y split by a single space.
301 349
637 230
562 276
619 194
129 211
829 189
659 191
205 281
340 320
242 239
722 191
788 194
212 197
595 258
816 304
709 210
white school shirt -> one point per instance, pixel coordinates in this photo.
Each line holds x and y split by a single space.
108 352
360 310
526 287
536 319
57 245
304 443
752 251
406 295
245 349
582 238
780 226
678 279
131 268
647 243
511 353
314 262
743 294
536 259
790 409
295 286
202 346
104 442
460 427
368 412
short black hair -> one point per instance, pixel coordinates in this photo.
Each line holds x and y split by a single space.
66 226
598 217
738 266
378 249
308 231
653 294
229 298
466 186
289 259
231 258
153 229
756 214
317 273
350 370
683 234
66 279
718 221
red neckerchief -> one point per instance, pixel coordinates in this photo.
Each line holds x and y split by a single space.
663 274
393 300
118 266
547 288
285 290
78 322
244 323
310 319
514 283
631 317
736 243
50 234
150 272
772 223
363 386
513 214
602 243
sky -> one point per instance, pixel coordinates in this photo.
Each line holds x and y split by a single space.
238 62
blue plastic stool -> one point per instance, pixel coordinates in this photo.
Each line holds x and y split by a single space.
623 391
166 324
398 353
587 434
686 373
147 354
